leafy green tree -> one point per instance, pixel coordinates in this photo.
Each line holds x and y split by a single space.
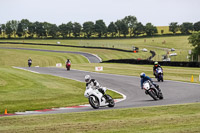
14 25
138 29
88 28
112 28
197 26
3 29
118 26
19 30
100 28
39 29
194 40
63 30
173 27
8 29
25 23
186 27
69 28
76 29
150 29
47 27
131 21
53 30
122 27
31 29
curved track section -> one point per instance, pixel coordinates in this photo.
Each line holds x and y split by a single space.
174 92
91 57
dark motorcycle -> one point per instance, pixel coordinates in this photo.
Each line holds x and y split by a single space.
152 91
159 74
29 63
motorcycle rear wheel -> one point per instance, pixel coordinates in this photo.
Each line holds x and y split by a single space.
160 95
111 101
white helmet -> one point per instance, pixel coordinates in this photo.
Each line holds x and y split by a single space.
87 78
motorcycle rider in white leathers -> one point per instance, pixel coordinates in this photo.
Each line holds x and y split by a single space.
94 84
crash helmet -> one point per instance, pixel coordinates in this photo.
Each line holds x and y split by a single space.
87 78
142 75
156 63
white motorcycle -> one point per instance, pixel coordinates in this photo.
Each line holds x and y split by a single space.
97 99
150 89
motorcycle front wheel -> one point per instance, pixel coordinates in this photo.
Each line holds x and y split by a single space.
153 94
94 102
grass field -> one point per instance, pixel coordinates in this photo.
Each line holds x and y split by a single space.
158 44
162 119
103 54
11 57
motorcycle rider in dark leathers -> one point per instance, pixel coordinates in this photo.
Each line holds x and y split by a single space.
156 65
29 62
146 78
68 61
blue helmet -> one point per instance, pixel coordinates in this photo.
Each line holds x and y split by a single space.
142 75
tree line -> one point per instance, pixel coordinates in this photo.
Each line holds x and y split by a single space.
128 26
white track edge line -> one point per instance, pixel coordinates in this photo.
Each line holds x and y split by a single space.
25 69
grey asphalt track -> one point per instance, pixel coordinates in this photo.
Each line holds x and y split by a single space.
91 57
174 92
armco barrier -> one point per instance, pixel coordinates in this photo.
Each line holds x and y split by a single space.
162 63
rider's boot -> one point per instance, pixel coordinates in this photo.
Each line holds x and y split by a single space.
105 96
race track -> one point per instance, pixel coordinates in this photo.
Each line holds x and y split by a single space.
174 92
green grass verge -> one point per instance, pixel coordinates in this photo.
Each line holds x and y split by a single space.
11 57
21 91
170 73
102 53
163 119
180 43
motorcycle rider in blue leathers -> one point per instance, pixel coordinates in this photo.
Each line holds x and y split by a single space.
146 78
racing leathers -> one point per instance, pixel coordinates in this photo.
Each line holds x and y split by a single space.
95 85
154 69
